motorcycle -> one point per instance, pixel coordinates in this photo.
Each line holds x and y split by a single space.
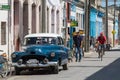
4 68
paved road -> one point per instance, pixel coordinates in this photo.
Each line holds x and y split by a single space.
90 68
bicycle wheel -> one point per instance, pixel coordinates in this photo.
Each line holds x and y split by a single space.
5 70
101 55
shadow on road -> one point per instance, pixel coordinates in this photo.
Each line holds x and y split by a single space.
36 72
110 72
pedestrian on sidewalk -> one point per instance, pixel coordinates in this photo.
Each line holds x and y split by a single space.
78 46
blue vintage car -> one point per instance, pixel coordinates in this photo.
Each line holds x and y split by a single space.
41 50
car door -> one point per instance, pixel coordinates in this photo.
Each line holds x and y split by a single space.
61 44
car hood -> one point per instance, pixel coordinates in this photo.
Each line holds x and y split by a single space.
43 48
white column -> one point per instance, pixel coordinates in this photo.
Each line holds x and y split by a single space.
12 28
55 19
37 19
30 18
46 18
61 20
50 20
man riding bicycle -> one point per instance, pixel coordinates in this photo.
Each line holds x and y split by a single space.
101 41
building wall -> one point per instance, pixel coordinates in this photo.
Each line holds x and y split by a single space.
4 18
96 23
25 19
54 19
93 27
110 28
79 18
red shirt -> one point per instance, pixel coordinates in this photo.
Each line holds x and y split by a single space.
101 39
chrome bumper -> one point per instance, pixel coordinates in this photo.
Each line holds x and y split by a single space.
34 65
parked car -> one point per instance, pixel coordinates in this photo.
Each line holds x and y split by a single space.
41 50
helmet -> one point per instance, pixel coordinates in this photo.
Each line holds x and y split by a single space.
101 33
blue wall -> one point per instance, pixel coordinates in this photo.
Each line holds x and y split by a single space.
93 14
95 22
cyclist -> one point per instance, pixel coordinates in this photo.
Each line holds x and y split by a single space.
101 40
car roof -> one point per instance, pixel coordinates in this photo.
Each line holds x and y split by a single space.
43 35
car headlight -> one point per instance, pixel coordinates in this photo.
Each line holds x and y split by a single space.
52 54
45 60
13 56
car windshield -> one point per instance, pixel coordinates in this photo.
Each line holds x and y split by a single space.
40 40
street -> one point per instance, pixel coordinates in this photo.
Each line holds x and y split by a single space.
40 34
90 68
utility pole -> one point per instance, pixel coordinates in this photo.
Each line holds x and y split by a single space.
87 24
106 20
119 26
114 24
65 22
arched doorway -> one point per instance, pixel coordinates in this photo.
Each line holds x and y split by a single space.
33 18
25 19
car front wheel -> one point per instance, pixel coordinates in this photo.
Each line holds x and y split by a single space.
65 67
17 71
55 69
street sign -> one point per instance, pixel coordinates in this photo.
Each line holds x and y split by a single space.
113 32
4 7
73 23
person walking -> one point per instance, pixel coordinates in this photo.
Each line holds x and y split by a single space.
78 46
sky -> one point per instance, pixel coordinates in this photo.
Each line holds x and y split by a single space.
110 2
54 2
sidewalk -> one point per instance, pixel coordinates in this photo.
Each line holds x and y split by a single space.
87 54
93 53
116 47
90 53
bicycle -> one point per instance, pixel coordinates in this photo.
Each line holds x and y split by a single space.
101 51
5 67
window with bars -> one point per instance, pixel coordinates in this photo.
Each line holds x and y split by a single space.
3 33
